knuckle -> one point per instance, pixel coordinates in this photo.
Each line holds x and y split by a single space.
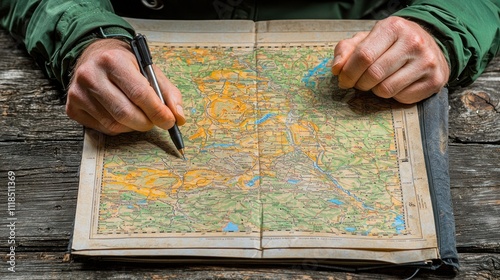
435 83
384 90
442 79
160 115
112 127
416 43
84 76
395 24
376 72
70 111
366 55
431 63
74 95
362 86
73 98
81 73
121 113
137 93
108 57
404 98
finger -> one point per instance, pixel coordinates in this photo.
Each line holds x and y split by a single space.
386 65
89 112
138 90
376 43
415 92
91 91
124 110
425 84
89 121
172 96
343 51
398 81
94 79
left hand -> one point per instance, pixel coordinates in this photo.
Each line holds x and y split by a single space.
108 92
397 59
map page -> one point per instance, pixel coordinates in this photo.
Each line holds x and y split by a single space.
280 163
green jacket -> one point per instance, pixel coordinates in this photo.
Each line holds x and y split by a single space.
56 31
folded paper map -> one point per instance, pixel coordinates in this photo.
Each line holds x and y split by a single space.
280 164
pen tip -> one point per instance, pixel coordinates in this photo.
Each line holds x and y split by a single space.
181 151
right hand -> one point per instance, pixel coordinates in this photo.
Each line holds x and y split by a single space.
108 93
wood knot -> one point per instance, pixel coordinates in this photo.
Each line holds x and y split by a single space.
475 101
490 263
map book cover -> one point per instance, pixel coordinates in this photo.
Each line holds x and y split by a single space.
280 164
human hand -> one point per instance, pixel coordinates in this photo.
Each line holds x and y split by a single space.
397 59
108 93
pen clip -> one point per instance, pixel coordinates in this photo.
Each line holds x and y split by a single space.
140 48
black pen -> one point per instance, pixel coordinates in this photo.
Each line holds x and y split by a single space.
145 61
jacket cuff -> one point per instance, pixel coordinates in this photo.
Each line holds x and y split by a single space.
468 31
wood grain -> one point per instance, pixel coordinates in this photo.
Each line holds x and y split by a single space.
475 110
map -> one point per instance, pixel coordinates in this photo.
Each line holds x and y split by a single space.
277 157
269 139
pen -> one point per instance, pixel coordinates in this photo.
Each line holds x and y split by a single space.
145 61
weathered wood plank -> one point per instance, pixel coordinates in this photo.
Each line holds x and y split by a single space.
474 165
35 114
475 189
46 190
51 266
475 110
30 104
475 230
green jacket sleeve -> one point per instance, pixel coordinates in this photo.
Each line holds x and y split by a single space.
54 32
468 32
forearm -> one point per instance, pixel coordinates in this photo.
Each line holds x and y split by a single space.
55 32
467 31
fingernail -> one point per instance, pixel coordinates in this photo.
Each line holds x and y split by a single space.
336 60
180 111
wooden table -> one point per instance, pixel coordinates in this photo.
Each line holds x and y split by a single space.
43 148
